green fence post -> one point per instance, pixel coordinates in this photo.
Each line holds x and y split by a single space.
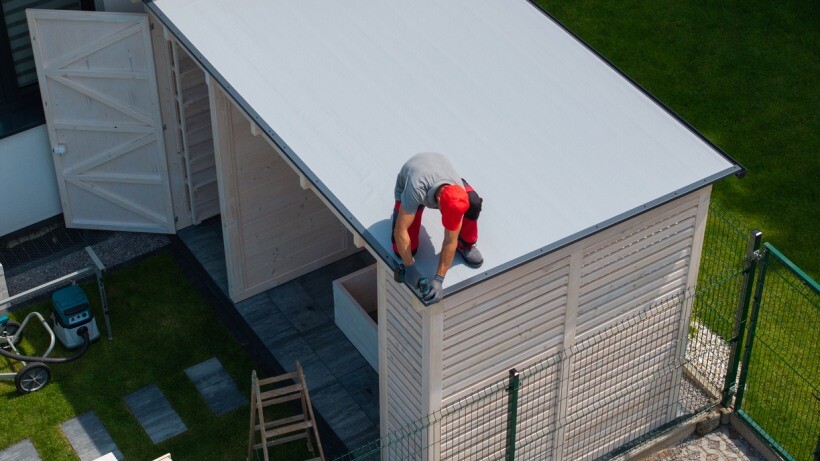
512 414
747 351
741 315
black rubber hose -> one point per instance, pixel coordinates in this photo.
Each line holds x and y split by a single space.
82 331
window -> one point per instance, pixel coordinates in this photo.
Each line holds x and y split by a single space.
20 104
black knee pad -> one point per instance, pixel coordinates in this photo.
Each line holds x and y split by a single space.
475 206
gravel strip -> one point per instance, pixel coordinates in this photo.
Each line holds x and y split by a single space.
120 248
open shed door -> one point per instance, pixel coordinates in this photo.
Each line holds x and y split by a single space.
96 74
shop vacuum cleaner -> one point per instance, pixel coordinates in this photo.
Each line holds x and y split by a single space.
70 310
74 326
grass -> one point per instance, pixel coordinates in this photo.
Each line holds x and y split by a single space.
743 74
161 326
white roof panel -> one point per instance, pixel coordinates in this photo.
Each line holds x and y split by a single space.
557 142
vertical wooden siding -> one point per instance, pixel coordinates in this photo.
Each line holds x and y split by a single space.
274 230
403 358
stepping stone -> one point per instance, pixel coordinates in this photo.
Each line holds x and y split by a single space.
89 438
20 451
154 413
216 386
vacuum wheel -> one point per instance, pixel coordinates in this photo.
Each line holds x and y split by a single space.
8 330
32 378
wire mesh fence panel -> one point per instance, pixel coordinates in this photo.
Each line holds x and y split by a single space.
721 270
539 408
780 387
624 380
26 249
475 428
652 364
716 324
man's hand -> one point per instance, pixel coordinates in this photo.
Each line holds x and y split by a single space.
436 290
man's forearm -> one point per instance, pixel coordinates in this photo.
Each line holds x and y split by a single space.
445 260
403 246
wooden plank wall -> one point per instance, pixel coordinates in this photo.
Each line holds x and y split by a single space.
400 362
569 301
648 262
274 231
194 124
503 323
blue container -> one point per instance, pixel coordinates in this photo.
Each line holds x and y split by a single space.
71 307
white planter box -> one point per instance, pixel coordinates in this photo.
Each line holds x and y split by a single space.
354 301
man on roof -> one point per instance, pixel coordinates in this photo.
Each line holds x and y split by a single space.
428 180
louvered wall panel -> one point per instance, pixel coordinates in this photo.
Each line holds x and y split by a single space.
504 323
537 408
637 267
623 372
622 384
404 358
477 430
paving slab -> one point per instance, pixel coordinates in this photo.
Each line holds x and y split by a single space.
155 414
267 321
216 386
298 306
341 413
89 438
21 451
317 374
362 385
335 350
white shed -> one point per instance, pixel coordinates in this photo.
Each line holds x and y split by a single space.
291 120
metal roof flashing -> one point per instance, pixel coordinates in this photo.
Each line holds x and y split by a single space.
347 202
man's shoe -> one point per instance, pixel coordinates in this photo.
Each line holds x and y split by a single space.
471 255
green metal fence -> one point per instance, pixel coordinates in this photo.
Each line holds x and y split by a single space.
779 390
532 414
527 415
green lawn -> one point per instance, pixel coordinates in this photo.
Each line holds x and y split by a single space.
745 75
161 327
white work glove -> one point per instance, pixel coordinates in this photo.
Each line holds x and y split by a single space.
436 290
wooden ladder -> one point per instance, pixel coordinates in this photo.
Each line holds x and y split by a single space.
274 391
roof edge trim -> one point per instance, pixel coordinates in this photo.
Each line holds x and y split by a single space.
740 172
388 259
578 236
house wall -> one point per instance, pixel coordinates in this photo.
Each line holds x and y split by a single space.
273 229
567 301
28 186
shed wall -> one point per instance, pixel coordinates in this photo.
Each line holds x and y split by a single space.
512 320
274 231
400 357
573 301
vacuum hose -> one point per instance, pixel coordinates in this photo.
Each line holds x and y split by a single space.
82 331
